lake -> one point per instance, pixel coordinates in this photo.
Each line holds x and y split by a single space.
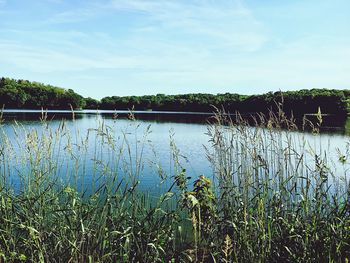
90 147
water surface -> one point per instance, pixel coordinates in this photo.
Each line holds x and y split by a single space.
142 144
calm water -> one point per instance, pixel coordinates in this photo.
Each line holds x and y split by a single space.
143 144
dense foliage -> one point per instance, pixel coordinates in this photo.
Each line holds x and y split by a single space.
296 102
34 95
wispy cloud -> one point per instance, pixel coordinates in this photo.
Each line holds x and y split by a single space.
73 16
47 60
220 23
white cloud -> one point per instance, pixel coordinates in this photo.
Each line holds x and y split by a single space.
37 59
72 16
216 23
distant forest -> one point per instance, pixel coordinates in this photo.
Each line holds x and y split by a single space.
34 95
24 94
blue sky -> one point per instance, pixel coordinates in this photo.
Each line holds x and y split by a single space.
137 47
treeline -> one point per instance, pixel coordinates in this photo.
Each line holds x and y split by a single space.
292 102
33 95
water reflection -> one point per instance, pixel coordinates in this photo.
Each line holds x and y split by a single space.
330 123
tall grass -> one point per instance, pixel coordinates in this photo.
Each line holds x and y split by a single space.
74 196
278 198
76 199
